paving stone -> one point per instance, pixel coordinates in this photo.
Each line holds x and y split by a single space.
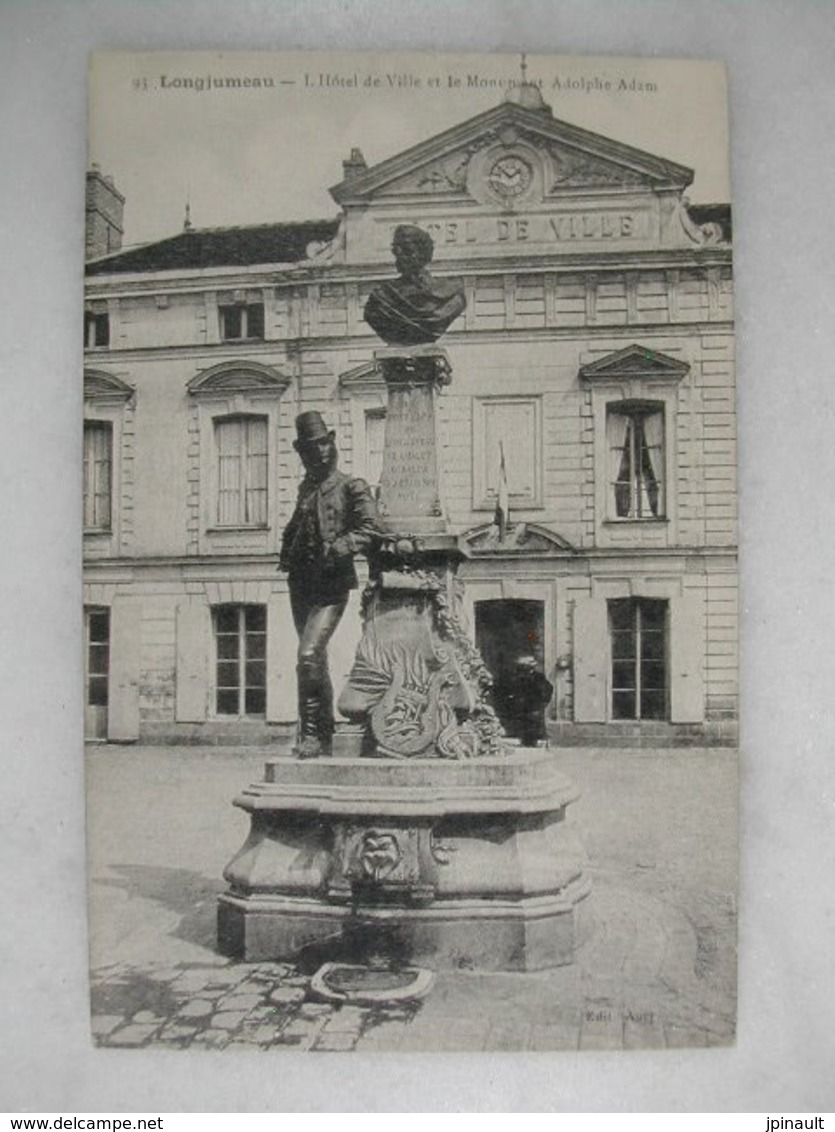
228 1020
346 1019
131 1035
301 1032
196 1008
224 980
148 1017
192 980
287 995
335 1042
177 1034
244 1002
259 1035
316 1009
104 1023
212 1039
268 972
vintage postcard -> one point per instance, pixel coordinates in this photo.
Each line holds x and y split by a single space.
410 553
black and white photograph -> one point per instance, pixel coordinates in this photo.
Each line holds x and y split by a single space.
411 689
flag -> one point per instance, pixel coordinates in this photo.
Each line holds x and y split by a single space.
500 519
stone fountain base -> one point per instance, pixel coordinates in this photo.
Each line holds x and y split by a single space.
460 863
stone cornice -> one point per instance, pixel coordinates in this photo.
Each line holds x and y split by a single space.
452 338
675 259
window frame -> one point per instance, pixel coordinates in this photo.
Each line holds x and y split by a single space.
245 457
483 498
639 608
638 375
244 309
243 635
235 388
633 410
106 428
96 326
108 400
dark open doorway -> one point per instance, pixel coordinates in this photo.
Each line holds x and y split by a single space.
507 630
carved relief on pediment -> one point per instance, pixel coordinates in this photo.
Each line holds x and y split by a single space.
572 169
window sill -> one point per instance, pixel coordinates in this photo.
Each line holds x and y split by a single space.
235 341
238 719
235 529
655 521
98 532
514 505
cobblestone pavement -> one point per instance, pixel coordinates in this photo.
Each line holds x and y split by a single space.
656 966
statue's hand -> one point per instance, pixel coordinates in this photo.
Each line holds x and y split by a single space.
342 547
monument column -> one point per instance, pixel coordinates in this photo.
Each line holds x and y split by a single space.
410 488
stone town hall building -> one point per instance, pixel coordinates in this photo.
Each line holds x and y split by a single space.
596 350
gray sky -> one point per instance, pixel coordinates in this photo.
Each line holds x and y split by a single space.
247 156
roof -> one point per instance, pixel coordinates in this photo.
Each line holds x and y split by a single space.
220 247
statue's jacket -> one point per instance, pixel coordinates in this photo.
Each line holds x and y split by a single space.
333 521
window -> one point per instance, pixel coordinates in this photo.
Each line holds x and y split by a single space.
636 454
96 329
241 320
241 665
512 425
375 432
638 630
98 475
241 445
97 624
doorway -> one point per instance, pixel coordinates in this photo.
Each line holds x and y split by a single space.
97 671
505 630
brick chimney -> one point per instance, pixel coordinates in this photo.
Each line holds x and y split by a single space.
104 210
354 166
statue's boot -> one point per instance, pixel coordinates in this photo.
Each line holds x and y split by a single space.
309 745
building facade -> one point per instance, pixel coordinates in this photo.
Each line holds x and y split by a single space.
595 355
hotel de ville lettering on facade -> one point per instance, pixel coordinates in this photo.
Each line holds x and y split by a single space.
596 353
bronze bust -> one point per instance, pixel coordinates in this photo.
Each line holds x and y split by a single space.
413 309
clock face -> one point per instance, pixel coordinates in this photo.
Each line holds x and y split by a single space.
509 176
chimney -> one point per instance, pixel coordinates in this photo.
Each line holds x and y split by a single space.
104 211
354 166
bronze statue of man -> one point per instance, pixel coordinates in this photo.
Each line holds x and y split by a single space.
415 308
335 518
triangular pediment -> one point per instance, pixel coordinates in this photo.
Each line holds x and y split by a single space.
238 377
551 155
366 376
635 362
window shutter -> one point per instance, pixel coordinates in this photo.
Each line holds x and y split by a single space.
194 649
687 659
591 661
123 709
281 661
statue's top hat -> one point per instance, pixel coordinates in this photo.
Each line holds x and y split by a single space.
311 426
